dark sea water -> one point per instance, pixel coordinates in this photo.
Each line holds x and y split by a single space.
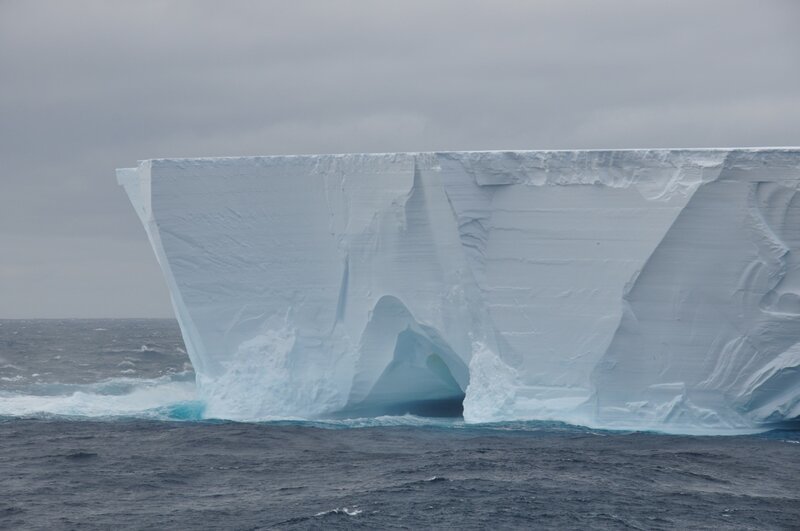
100 429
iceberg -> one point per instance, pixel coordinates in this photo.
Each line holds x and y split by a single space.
647 289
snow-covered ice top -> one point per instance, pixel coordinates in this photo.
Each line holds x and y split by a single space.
635 288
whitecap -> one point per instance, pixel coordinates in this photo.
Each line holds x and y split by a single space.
168 397
343 510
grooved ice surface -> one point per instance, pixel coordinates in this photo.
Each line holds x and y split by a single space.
643 288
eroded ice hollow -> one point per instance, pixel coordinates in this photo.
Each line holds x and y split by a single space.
643 288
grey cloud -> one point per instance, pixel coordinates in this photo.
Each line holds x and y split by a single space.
90 86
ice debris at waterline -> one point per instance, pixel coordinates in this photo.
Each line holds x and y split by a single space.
641 288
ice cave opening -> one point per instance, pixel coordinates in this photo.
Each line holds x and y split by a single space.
419 379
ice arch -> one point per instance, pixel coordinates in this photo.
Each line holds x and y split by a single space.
405 367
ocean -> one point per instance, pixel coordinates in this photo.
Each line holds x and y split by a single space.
100 428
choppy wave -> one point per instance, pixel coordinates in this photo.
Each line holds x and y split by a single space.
171 397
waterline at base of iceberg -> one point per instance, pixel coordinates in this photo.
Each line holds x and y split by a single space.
174 398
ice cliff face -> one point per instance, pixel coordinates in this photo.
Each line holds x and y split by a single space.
647 288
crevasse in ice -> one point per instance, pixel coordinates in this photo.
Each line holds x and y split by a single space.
639 288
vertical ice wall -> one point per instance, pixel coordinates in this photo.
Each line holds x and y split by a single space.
708 332
642 288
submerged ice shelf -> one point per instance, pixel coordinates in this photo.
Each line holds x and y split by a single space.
641 288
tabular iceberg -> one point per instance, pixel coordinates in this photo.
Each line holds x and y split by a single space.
638 288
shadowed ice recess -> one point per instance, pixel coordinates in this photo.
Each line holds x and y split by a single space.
648 289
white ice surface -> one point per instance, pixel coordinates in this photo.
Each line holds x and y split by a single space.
643 288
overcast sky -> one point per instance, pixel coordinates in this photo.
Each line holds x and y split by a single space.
86 87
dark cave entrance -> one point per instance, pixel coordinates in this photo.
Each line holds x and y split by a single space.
421 379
